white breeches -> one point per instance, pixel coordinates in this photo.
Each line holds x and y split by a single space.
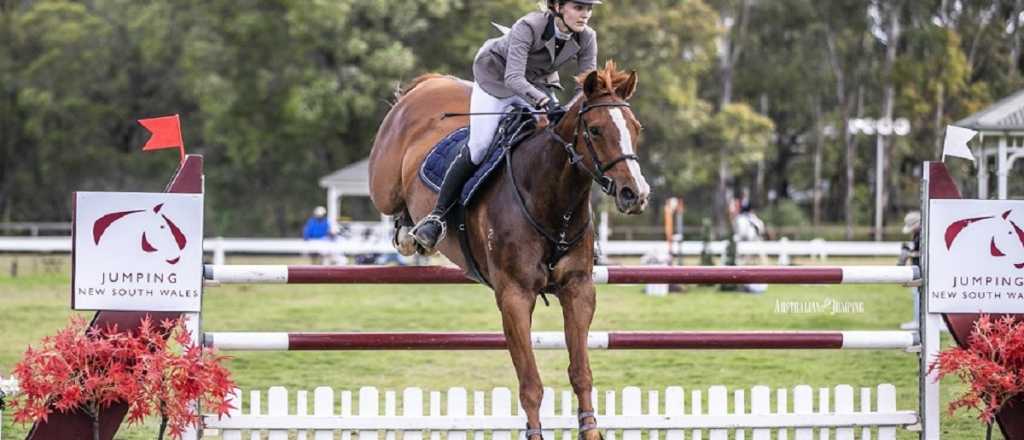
482 127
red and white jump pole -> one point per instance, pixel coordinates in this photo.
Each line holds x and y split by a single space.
270 274
650 340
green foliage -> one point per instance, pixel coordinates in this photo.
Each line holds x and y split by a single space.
785 213
741 132
276 93
670 43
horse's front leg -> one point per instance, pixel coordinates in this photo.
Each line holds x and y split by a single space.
516 305
578 302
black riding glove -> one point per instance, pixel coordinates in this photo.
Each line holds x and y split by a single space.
555 111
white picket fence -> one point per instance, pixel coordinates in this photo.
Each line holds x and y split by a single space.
796 413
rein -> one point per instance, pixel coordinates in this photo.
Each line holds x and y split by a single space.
560 240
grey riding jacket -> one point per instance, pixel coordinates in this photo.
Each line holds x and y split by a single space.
523 61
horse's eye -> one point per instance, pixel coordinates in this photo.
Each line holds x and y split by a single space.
596 131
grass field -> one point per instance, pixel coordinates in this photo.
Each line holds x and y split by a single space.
35 303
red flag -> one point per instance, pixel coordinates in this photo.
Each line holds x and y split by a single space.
166 132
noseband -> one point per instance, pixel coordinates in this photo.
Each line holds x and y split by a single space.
597 173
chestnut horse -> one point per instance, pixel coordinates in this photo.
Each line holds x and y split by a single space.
530 229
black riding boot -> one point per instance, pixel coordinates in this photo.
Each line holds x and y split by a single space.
431 229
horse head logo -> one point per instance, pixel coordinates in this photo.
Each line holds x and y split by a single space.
160 235
1007 240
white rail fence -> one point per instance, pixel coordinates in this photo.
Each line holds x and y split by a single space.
8 388
221 247
799 413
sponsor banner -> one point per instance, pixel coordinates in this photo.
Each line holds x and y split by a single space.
137 252
976 256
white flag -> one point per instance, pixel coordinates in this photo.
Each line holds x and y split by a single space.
956 142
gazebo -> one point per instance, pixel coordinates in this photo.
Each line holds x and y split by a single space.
1001 131
352 180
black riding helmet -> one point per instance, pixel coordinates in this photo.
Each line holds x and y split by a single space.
552 3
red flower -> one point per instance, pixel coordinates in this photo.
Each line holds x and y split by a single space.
992 365
93 369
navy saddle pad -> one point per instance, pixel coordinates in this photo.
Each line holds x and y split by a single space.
436 164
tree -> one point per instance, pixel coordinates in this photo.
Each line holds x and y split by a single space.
670 44
845 32
783 71
889 28
741 136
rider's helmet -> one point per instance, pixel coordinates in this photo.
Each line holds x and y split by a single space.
551 3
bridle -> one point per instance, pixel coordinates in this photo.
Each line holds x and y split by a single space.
597 173
560 240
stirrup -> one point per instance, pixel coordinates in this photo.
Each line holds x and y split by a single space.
431 218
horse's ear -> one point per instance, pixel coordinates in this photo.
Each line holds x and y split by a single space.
590 84
627 88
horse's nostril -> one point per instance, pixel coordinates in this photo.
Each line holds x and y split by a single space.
627 195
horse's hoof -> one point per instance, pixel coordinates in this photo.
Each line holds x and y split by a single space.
404 243
592 434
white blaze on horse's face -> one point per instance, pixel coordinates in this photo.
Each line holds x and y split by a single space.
626 146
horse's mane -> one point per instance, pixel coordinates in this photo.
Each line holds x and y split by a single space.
609 78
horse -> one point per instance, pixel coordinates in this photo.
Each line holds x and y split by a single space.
529 228
747 226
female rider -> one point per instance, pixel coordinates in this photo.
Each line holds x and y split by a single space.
519 67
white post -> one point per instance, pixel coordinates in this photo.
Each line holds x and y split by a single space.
1002 170
192 324
879 180
929 404
881 127
982 171
784 259
333 208
219 256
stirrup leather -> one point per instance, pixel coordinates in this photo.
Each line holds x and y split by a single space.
431 218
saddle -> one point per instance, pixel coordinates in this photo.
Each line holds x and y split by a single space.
513 128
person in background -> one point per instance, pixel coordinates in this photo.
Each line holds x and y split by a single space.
317 227
910 252
747 226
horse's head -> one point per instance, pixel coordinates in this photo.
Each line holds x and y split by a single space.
605 132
